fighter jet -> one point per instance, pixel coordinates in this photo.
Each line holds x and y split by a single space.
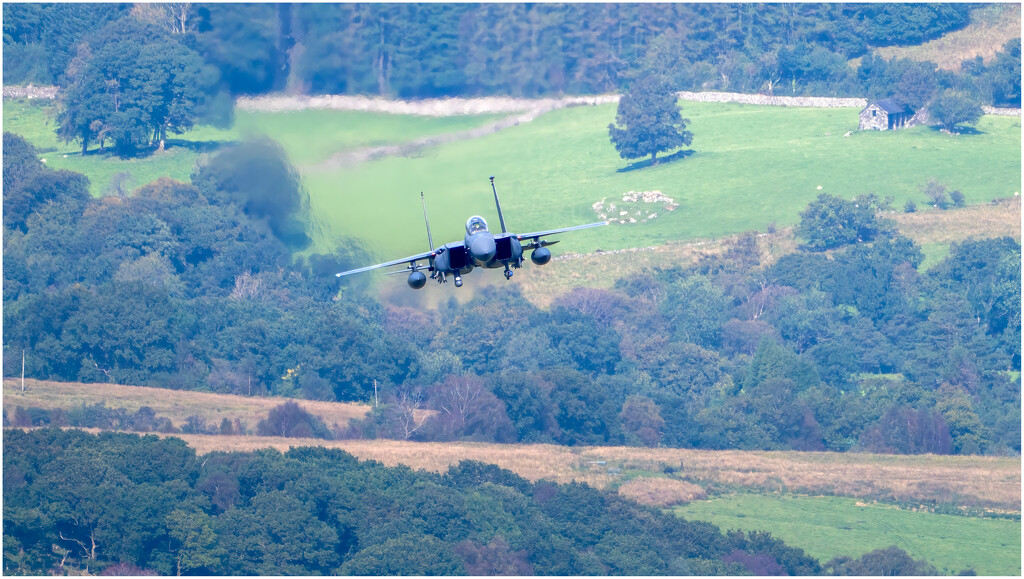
479 248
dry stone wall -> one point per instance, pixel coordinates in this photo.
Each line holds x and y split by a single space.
1001 111
488 105
774 101
425 107
30 92
491 105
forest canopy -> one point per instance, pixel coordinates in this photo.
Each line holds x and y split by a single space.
436 50
118 503
193 286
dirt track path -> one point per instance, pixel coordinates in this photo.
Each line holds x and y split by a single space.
522 111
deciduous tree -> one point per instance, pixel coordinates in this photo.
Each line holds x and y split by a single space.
648 121
952 108
830 222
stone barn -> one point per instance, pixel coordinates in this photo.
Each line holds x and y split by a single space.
885 115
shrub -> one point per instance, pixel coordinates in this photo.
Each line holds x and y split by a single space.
957 198
293 421
936 193
890 561
195 424
830 222
761 564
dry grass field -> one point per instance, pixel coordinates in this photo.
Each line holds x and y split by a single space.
994 219
662 492
964 480
991 27
177 405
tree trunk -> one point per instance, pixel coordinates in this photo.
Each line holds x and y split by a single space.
654 158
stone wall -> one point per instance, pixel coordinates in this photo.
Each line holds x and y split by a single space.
426 107
443 107
30 92
1001 112
776 101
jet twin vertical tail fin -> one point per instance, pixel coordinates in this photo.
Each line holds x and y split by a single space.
430 240
501 218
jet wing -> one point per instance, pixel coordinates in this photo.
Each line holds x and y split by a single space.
404 260
536 234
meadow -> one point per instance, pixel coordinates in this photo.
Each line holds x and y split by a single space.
307 136
825 527
753 167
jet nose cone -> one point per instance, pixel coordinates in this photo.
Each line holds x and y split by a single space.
483 249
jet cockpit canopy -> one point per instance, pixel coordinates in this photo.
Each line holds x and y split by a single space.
475 224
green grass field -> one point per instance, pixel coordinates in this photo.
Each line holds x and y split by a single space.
308 137
829 526
752 166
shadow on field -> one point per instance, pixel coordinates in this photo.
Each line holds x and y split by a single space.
959 131
197 146
144 153
647 162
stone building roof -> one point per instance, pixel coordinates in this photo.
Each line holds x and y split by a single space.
892 106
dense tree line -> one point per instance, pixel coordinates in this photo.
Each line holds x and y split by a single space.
133 74
841 345
110 503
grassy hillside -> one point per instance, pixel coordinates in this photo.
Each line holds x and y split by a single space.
753 166
829 526
824 525
964 480
308 137
992 26
177 405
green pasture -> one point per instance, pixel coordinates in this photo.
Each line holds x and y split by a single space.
314 135
825 527
933 254
308 136
752 166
